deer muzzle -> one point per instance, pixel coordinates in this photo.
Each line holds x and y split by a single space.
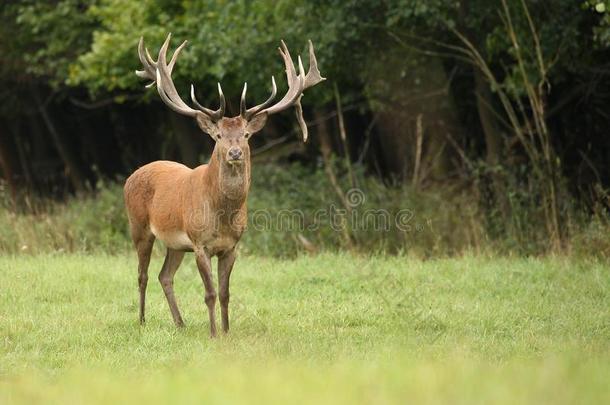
235 155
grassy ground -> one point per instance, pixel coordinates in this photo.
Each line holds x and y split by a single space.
324 329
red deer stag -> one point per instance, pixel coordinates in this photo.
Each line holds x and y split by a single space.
202 210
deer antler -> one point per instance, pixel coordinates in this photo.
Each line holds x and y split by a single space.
297 84
160 73
251 112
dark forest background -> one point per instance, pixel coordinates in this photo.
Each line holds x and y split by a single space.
489 119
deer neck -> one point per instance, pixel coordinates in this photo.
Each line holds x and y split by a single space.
230 183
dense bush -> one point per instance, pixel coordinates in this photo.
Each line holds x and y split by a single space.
295 209
96 222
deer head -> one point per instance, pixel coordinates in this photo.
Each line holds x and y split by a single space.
231 134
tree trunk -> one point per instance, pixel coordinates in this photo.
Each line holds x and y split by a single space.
63 148
185 141
493 142
7 163
424 91
24 162
493 139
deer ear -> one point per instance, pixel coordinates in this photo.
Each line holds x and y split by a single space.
256 124
207 125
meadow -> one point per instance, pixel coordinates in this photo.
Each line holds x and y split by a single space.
327 328
443 236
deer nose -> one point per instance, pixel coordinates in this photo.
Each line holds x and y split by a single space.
235 153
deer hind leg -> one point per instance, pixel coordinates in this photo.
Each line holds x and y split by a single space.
225 266
144 247
173 258
205 271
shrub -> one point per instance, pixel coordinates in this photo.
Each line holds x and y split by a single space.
295 209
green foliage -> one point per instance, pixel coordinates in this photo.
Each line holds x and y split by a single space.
593 238
229 42
292 207
48 36
601 29
285 204
436 14
93 223
326 329
93 43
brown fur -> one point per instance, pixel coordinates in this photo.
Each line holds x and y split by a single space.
201 210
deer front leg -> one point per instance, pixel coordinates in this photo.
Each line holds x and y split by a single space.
205 271
225 266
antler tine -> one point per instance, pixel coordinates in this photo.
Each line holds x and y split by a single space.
216 115
199 106
147 62
290 71
149 65
151 61
242 102
294 94
296 85
313 74
170 103
160 73
298 109
223 104
172 62
251 112
166 82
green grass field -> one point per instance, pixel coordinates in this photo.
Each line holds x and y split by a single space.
323 329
